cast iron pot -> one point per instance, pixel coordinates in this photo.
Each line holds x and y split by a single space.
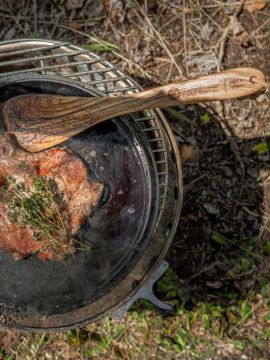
126 245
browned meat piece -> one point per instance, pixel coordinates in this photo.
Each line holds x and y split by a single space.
71 175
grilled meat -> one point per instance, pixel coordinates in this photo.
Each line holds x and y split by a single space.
80 195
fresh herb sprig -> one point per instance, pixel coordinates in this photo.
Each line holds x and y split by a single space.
41 208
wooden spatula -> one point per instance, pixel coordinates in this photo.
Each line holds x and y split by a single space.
42 121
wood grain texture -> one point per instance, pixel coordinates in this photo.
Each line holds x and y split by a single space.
42 121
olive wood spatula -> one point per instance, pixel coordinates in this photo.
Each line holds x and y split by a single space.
42 121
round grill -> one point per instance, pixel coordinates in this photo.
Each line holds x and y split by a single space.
71 62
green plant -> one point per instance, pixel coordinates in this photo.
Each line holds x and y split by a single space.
205 118
40 207
261 148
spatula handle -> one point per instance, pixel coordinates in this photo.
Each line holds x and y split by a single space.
228 84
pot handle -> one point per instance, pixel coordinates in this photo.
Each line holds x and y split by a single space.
228 84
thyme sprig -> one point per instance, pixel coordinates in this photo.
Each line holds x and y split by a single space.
40 207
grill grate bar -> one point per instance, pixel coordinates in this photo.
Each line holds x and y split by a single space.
155 140
23 51
151 129
52 67
159 150
145 118
109 80
100 71
122 89
161 162
43 57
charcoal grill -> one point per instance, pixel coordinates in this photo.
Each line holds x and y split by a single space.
65 66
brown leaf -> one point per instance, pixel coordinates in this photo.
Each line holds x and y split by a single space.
148 5
255 5
106 4
240 35
187 152
187 11
74 25
74 4
117 11
214 284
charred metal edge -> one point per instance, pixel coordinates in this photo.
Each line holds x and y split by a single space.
10 315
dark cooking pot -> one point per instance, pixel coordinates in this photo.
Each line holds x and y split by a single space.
125 242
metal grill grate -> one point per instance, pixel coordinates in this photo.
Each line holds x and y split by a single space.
67 60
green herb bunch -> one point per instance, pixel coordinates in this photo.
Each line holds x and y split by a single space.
41 208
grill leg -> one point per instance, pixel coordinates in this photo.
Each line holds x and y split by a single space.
146 292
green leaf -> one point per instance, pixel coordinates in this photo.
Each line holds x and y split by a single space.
178 115
245 310
240 345
180 342
205 118
267 333
266 248
244 265
261 148
219 239
253 240
99 47
267 317
206 321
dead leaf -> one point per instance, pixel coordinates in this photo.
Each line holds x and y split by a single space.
75 26
74 4
185 292
148 5
255 5
187 152
106 4
117 11
214 284
187 11
240 35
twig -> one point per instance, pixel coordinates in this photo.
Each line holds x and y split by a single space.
191 183
177 115
159 38
260 27
210 6
185 39
200 272
35 16
121 56
221 110
226 32
246 316
116 53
